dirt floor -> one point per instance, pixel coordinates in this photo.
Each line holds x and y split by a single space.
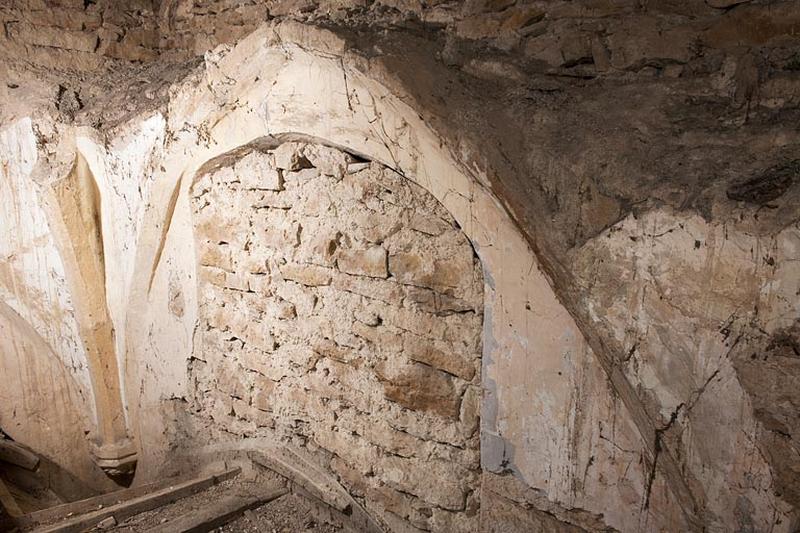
288 514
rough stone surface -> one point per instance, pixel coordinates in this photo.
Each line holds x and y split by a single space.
297 337
712 348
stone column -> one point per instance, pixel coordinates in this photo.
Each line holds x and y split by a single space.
75 216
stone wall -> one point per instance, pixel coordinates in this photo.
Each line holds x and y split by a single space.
341 311
625 169
66 34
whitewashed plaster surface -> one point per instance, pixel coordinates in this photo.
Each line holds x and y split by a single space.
681 295
124 177
32 278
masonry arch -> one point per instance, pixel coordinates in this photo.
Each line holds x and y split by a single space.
289 81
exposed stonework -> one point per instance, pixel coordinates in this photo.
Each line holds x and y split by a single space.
304 335
638 379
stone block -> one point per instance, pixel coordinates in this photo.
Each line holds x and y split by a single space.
314 202
354 450
352 168
346 383
350 477
451 272
279 237
259 283
129 52
329 161
367 317
724 4
487 6
319 248
378 227
220 408
229 380
292 7
309 275
303 301
330 349
408 510
257 171
420 298
255 262
289 156
393 441
420 388
447 304
438 356
225 176
383 339
415 269
461 333
479 26
414 476
262 389
428 224
219 229
212 275
217 256
459 522
141 37
373 288
53 37
236 281
68 19
422 324
361 186
408 268
256 360
520 16
645 40
470 411
274 200
281 309
258 336
370 262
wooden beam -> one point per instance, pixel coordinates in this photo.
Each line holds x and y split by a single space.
13 453
8 502
311 481
59 512
218 513
293 468
136 505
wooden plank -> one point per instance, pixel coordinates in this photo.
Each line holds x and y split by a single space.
13 453
218 513
315 483
8 502
52 514
292 468
126 509
358 521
